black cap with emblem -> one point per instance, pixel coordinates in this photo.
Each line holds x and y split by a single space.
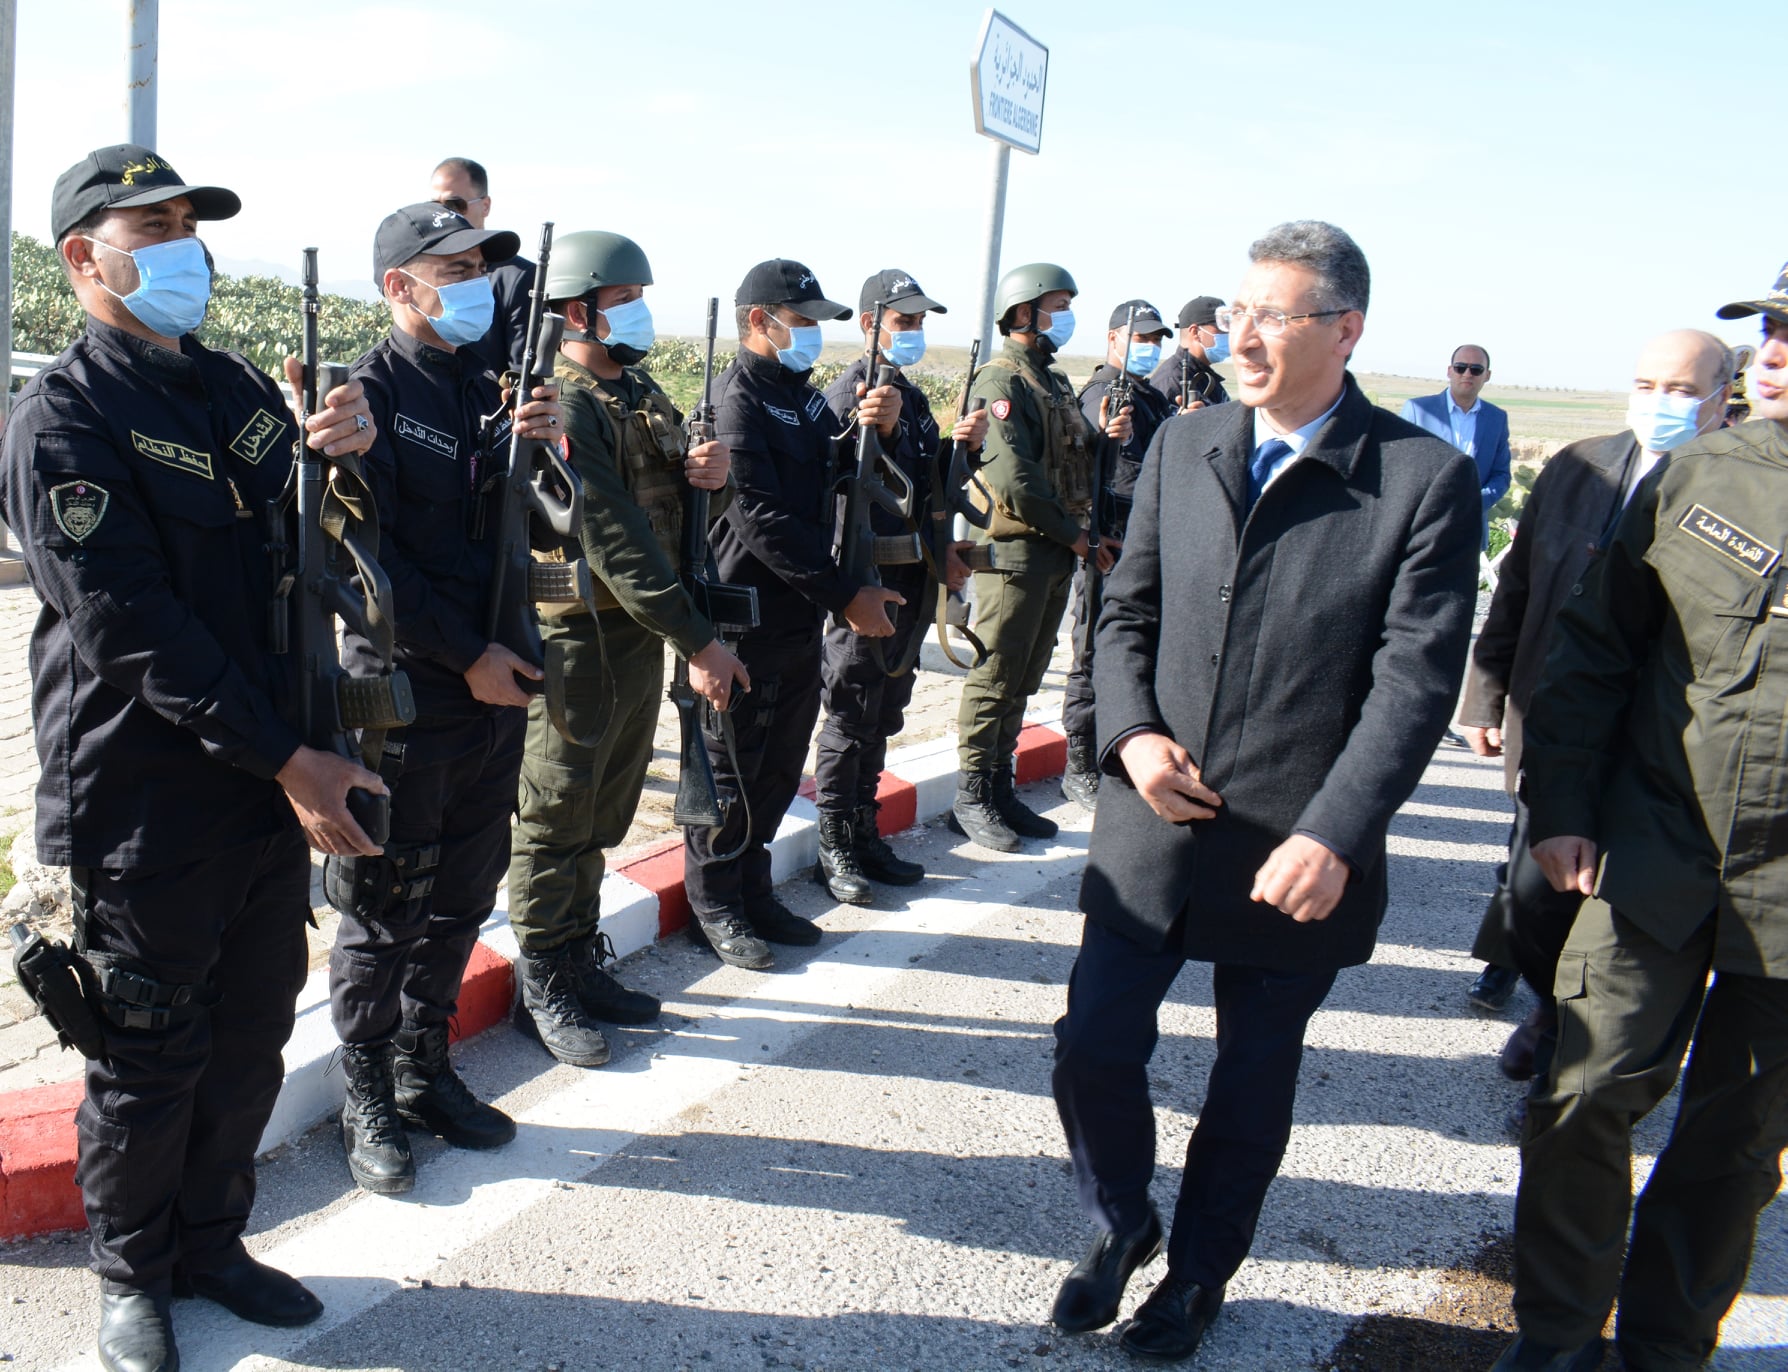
1775 304
1200 311
124 176
1148 318
781 281
898 291
439 232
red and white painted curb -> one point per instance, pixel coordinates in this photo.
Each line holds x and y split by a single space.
642 901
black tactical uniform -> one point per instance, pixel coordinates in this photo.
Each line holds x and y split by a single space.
777 536
410 917
501 349
137 481
1205 381
865 707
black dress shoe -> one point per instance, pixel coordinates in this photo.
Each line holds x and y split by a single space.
1092 1292
1170 1323
1524 1355
1493 987
253 1291
135 1333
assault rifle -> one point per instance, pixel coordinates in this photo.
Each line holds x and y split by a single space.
336 575
537 487
866 485
951 481
1121 393
732 610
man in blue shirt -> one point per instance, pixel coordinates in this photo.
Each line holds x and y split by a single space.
1474 426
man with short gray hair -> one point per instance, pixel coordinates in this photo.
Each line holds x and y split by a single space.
1272 676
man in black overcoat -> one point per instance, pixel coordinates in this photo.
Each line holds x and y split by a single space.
1279 653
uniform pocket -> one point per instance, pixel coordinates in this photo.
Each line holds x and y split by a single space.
1717 607
1570 1063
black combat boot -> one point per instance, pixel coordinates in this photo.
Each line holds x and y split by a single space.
837 869
378 1148
431 1095
550 1011
1019 817
776 923
878 861
732 940
1080 780
975 816
601 992
136 1331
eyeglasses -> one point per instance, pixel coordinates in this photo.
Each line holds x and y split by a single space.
458 203
1270 323
1475 368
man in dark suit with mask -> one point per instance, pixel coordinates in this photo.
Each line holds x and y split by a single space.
1272 677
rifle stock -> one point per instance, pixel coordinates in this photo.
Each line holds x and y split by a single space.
337 576
1122 393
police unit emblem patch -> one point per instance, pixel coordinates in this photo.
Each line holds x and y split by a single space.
815 403
1002 408
78 506
257 436
174 455
1730 541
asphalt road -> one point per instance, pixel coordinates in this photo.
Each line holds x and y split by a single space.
853 1162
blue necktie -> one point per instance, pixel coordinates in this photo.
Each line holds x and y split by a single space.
1262 466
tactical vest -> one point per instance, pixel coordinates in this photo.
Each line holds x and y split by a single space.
649 448
1067 449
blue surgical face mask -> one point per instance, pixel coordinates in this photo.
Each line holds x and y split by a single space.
803 349
905 348
1144 357
1663 422
1218 349
1061 327
630 331
173 285
467 308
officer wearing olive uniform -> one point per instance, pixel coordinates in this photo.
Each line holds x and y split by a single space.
1657 778
410 917
1138 345
625 439
138 469
864 706
776 536
1039 471
1192 366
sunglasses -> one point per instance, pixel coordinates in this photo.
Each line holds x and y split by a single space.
1475 368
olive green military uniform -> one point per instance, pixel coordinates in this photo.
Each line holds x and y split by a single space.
1039 472
627 446
1660 730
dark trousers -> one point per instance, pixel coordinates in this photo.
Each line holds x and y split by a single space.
1628 1008
1077 691
864 706
1103 1047
574 802
402 962
1526 922
173 1114
771 729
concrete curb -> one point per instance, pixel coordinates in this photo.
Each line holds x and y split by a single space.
642 901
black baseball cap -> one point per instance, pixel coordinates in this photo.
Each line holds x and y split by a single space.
1148 318
126 175
1200 311
438 231
898 291
1775 304
781 281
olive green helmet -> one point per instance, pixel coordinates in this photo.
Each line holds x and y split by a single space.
583 261
1024 284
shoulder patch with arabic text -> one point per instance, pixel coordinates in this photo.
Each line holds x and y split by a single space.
257 437
788 417
443 445
1729 541
78 506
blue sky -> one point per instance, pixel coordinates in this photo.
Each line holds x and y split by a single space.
1554 181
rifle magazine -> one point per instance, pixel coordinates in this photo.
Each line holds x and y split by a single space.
375 702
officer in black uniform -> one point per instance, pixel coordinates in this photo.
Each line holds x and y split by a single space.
865 707
463 185
1149 410
776 536
138 470
411 916
1191 366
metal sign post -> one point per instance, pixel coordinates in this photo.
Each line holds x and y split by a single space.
139 75
1006 77
8 41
